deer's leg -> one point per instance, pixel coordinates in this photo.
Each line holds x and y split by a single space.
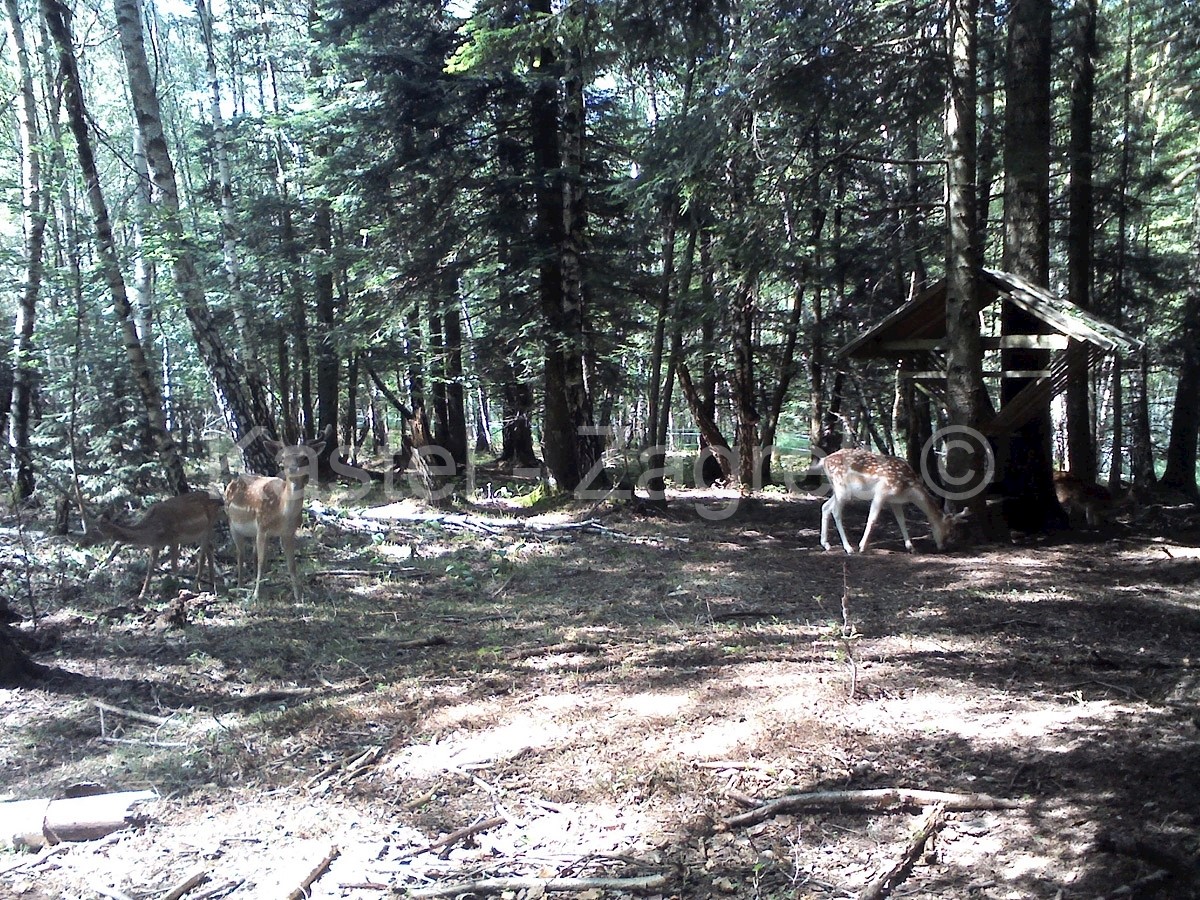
872 517
205 553
287 540
149 571
833 507
826 515
898 512
237 550
260 551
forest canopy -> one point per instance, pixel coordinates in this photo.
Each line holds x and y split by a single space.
551 227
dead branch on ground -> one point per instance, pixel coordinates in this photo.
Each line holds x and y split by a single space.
320 869
884 798
890 878
349 767
186 886
572 885
455 836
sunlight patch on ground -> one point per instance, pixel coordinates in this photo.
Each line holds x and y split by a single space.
475 749
718 739
1048 727
657 706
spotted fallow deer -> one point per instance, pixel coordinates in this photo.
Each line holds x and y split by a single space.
262 507
185 519
884 480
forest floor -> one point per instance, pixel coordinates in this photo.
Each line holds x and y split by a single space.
598 692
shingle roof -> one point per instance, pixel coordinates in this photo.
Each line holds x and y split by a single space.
923 319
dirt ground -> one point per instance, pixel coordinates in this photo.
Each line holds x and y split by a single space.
599 691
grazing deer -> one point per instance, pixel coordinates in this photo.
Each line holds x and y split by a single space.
260 507
862 475
186 519
1080 497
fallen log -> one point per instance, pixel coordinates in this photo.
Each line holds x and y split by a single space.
881 799
38 823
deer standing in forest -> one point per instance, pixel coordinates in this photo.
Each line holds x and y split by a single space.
1081 497
261 507
185 519
884 480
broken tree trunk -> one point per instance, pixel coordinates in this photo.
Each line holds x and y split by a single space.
37 823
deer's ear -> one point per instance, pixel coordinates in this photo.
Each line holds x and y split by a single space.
316 447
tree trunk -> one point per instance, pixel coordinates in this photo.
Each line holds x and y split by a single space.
245 410
987 63
1028 465
658 344
229 231
349 438
483 425
787 358
1081 442
784 368
328 358
661 352
1117 392
656 462
742 325
710 434
1180 472
1142 443
819 439
141 286
435 371
568 438
24 364
456 400
1121 251
57 22
16 668
964 353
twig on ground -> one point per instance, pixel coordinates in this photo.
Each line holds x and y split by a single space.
225 887
350 766
455 836
887 880
574 885
194 880
32 862
554 649
500 590
1143 850
170 745
158 721
320 869
1139 887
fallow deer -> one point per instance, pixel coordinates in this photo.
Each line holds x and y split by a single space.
884 480
262 507
1081 497
185 519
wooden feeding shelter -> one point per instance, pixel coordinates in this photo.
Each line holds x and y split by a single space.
916 332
